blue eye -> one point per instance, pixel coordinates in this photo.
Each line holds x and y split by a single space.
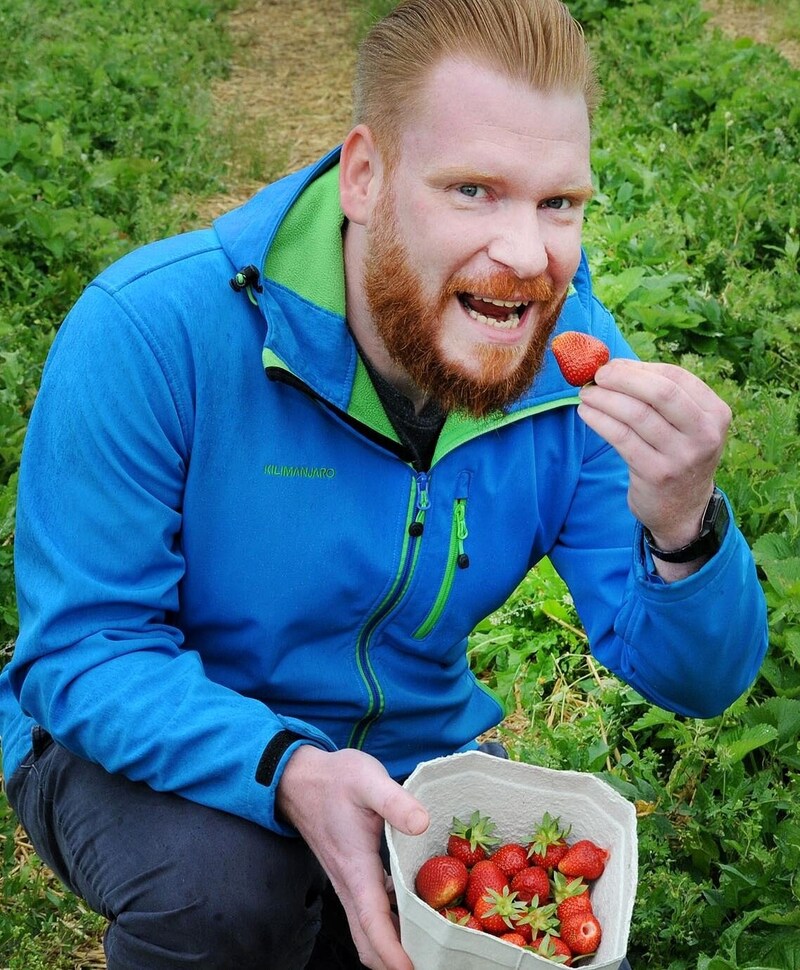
558 203
471 191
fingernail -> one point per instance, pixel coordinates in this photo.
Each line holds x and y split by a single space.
417 821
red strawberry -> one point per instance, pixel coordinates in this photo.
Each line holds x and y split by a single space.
554 949
497 911
469 841
482 877
548 843
531 882
584 859
460 915
538 919
579 355
440 880
575 906
582 934
524 929
511 858
514 938
571 896
455 914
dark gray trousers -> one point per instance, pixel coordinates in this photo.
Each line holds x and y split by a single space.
182 885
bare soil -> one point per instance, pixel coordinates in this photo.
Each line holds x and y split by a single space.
287 100
741 18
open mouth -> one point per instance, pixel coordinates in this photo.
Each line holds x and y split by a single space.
500 314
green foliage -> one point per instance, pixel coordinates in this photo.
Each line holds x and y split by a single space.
102 110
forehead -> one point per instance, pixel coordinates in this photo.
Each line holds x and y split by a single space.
472 115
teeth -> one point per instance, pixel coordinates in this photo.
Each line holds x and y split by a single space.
504 303
509 323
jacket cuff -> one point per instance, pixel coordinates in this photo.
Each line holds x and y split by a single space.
273 761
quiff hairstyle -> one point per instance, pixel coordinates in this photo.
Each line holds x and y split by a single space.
536 42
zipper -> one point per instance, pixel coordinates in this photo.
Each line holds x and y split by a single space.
420 503
457 557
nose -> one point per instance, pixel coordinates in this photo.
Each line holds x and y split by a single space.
518 244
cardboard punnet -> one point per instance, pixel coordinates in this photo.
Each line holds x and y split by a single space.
516 796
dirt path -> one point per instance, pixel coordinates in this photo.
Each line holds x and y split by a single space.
287 100
743 18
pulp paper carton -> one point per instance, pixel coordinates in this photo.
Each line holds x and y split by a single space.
515 796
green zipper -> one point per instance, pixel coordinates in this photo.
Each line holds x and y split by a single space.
457 558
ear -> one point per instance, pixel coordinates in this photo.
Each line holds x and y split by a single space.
360 175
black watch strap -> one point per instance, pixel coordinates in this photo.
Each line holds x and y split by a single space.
712 532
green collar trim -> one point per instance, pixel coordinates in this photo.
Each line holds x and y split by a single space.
460 428
365 404
306 255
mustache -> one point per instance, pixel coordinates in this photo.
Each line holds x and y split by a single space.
502 286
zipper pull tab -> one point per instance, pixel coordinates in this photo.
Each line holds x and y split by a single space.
423 499
462 560
422 504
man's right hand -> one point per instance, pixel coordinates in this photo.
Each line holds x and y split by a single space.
338 801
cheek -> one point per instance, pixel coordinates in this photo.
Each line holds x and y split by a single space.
564 256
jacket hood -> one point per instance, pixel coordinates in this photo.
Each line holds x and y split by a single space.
297 251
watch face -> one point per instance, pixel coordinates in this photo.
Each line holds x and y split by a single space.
716 516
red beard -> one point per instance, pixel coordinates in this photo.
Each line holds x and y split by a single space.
409 326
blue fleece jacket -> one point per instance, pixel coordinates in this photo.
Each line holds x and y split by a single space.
222 550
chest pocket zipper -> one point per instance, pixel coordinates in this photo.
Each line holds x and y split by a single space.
457 557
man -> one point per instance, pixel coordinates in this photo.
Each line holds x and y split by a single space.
244 599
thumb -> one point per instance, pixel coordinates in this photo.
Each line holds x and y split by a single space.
402 811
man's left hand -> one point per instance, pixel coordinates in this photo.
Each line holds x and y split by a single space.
670 429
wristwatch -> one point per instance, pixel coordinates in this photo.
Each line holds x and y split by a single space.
712 532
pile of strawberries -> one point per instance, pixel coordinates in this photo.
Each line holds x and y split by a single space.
535 895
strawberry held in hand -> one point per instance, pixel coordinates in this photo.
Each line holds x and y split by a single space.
579 355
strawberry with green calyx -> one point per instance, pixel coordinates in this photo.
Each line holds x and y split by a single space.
461 916
579 356
552 948
531 882
582 934
469 841
540 919
571 896
498 911
514 938
585 859
441 880
511 858
482 877
548 844
455 914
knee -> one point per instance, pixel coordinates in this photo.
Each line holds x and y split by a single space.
241 898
